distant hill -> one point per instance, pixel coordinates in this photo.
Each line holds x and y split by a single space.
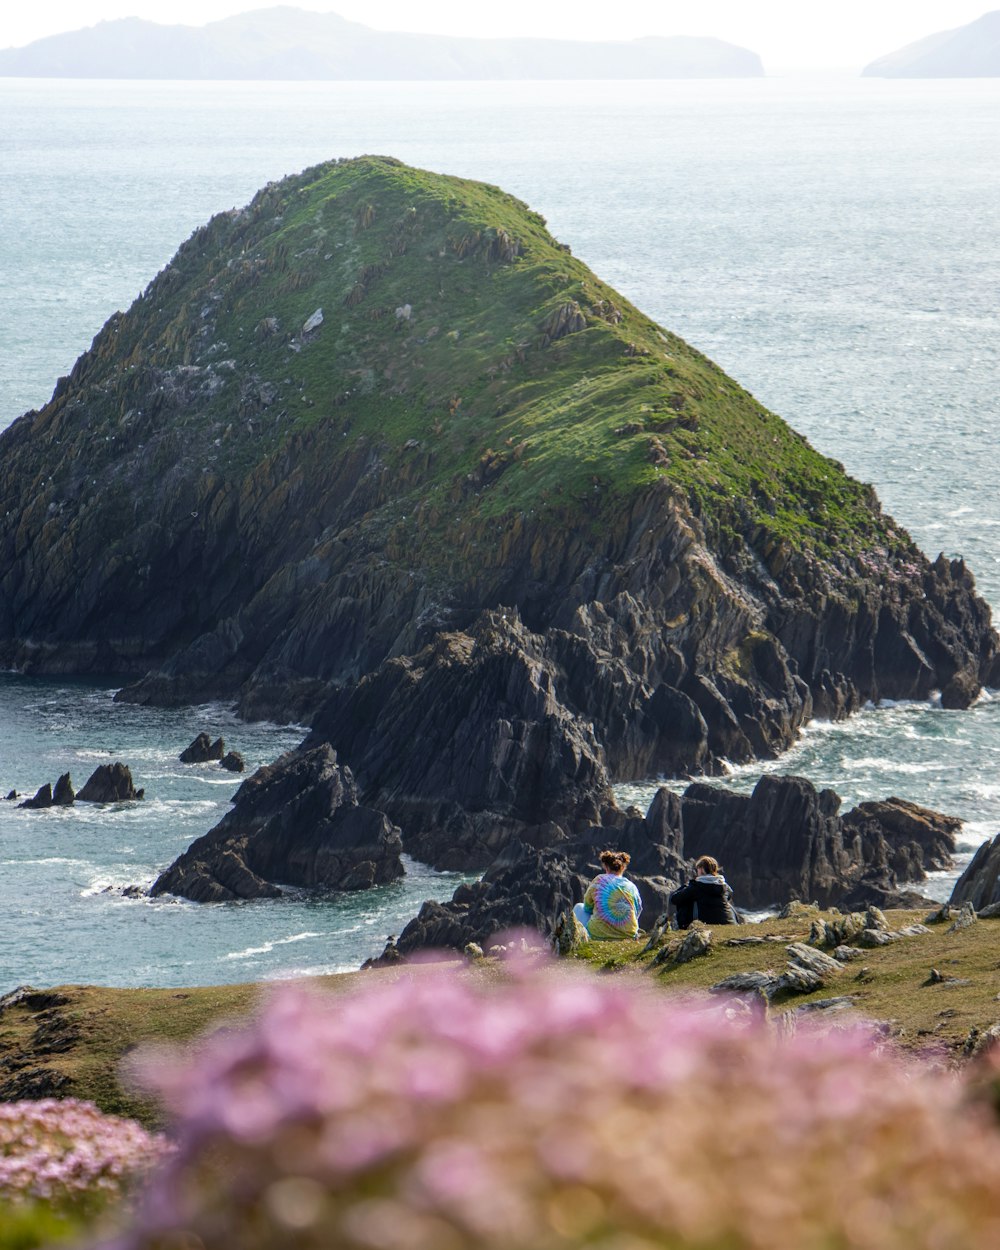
288 43
971 51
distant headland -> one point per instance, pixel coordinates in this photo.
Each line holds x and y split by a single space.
971 51
285 43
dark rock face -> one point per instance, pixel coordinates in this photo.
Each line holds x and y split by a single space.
64 795
980 883
296 822
109 783
47 796
787 840
238 544
524 887
233 762
466 746
921 840
529 886
202 750
42 798
784 841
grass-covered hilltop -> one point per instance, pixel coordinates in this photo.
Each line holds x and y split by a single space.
378 452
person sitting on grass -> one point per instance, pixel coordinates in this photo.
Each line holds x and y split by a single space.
612 904
707 897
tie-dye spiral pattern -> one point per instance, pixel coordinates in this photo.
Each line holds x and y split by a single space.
616 903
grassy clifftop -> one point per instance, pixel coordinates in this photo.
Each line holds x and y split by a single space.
72 1040
489 368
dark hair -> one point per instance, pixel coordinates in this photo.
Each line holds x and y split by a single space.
707 864
615 861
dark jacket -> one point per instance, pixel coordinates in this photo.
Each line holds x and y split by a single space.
708 899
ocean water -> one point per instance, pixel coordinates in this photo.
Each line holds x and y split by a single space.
833 244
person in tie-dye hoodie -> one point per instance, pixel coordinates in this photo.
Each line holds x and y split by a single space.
612 904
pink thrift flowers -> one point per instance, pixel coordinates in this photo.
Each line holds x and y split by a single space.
67 1153
556 1111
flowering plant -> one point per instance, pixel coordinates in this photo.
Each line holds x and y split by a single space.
65 1154
552 1112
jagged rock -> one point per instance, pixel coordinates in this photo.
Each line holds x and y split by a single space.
981 1040
42 798
980 883
296 822
814 960
920 840
870 938
966 917
669 627
845 954
841 1003
657 934
568 934
64 795
467 747
745 983
875 919
532 886
474 951
794 909
788 839
937 977
35 1083
524 887
313 322
912 930
109 783
696 942
202 750
940 915
12 795
233 762
990 912
839 931
389 958
797 979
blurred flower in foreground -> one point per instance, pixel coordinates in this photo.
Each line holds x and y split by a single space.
67 1153
553 1112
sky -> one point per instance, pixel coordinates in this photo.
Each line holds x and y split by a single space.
786 33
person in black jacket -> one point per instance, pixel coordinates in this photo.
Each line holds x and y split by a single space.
708 897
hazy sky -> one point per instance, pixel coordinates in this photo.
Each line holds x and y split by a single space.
786 33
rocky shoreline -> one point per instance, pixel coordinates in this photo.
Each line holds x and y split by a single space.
377 454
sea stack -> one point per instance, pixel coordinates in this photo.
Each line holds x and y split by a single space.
376 452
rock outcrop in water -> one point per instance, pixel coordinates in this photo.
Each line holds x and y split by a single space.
203 750
110 783
377 453
787 840
297 822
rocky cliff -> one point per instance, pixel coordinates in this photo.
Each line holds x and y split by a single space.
297 822
376 451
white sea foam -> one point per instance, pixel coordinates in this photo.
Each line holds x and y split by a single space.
268 947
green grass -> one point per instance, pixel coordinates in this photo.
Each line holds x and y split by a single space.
889 984
575 427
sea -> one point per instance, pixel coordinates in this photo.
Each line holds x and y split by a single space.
833 243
